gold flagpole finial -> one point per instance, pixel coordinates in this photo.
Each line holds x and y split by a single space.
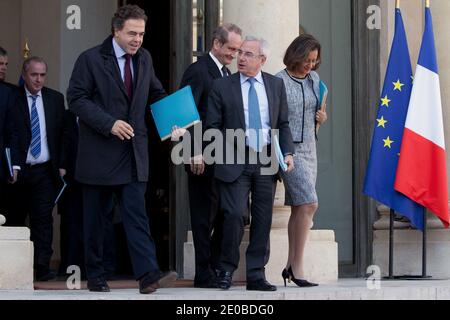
26 50
427 3
397 4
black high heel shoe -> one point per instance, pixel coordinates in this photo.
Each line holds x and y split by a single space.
286 276
298 282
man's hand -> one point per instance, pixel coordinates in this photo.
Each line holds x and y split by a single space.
122 130
62 172
289 160
13 179
197 165
177 133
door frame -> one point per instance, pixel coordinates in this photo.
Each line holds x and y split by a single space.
366 83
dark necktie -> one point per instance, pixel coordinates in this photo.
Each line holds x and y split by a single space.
128 79
224 72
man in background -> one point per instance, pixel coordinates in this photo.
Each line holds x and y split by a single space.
203 197
38 120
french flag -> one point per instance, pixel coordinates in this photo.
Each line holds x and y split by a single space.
421 172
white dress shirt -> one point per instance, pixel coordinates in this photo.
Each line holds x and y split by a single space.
263 105
217 62
45 154
119 52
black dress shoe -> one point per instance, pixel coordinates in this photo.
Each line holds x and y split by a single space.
151 282
98 285
261 285
224 280
45 275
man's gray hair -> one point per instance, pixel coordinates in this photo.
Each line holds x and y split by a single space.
221 32
27 63
264 49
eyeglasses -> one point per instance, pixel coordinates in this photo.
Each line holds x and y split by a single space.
313 62
248 54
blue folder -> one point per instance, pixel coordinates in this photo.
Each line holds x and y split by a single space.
279 154
323 93
178 109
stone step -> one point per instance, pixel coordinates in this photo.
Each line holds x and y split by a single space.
321 257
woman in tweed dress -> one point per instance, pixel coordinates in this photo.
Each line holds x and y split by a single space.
302 88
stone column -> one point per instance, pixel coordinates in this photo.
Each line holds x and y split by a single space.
275 21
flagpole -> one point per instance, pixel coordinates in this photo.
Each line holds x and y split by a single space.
427 3
424 244
397 4
391 244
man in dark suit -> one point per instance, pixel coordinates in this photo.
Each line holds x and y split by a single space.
3 64
38 120
7 91
6 100
109 90
203 198
253 102
70 209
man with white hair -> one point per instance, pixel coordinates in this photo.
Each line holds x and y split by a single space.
255 102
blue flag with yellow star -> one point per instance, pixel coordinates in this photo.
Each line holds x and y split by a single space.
388 132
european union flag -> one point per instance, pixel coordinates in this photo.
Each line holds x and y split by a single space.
388 132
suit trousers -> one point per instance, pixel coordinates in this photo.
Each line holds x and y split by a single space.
70 208
96 203
34 194
206 223
234 201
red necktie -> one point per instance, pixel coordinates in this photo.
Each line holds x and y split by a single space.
128 79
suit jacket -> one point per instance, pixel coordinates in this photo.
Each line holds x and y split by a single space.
97 95
200 76
54 122
7 92
226 111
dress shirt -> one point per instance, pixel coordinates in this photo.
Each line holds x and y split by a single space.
217 62
263 105
120 53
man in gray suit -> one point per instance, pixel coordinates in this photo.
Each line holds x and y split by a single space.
251 101
109 90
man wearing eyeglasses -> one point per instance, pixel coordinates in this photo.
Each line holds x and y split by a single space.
255 102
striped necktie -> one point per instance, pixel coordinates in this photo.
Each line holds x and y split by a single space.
35 146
